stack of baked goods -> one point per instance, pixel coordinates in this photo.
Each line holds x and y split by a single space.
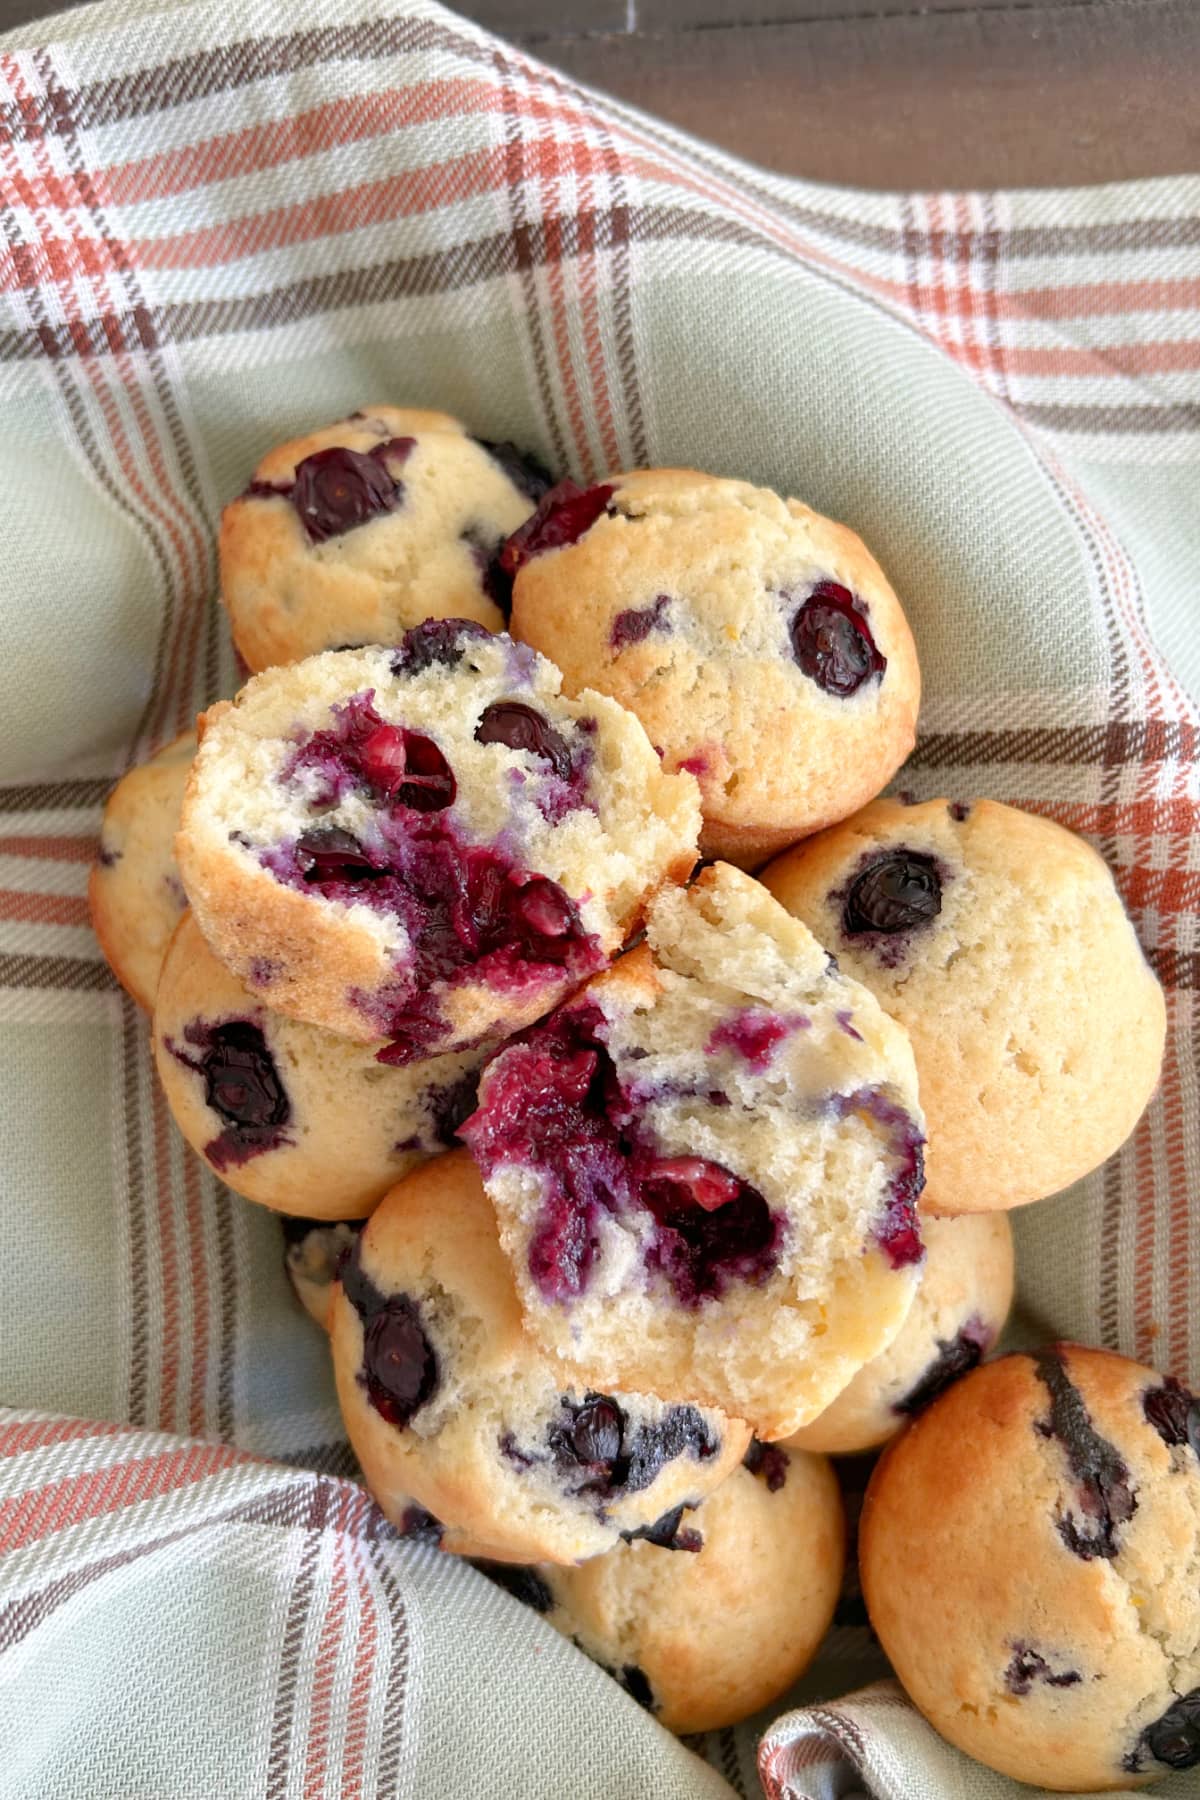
644 1097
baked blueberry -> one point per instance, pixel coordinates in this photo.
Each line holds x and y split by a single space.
767 1461
1104 1489
336 490
241 1087
563 516
898 891
832 642
1172 1741
1174 1412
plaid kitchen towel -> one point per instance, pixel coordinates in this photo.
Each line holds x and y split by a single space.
221 223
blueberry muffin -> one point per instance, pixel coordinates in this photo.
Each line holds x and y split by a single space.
759 643
706 1166
135 896
998 940
287 1114
427 843
956 1318
313 1250
1030 1555
704 1640
359 530
446 1402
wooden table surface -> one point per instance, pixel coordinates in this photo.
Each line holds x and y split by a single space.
889 93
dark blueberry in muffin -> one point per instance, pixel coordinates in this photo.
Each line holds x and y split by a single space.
767 1461
668 1532
955 1357
241 1082
435 642
897 891
832 641
1173 1740
1105 1490
421 1527
242 1085
563 515
1028 1666
408 768
522 727
330 854
635 624
399 1364
713 1228
681 1431
1174 1412
449 1103
593 1432
636 1683
594 1436
400 1368
336 490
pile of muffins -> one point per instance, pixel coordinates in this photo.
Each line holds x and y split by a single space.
632 1186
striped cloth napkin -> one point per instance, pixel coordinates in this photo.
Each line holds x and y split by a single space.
222 223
